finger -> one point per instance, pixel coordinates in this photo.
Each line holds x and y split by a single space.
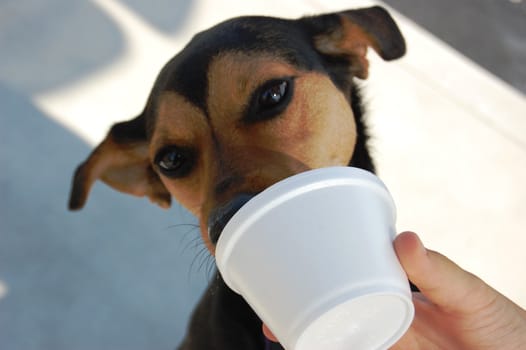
442 281
270 336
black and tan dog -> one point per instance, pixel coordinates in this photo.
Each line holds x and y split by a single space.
245 104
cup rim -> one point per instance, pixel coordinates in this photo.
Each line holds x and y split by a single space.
285 190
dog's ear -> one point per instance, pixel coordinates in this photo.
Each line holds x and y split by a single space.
349 34
121 161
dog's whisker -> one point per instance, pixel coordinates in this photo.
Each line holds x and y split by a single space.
193 243
182 225
198 242
191 227
189 234
204 259
191 267
199 255
211 265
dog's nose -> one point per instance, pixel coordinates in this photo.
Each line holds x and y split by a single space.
219 217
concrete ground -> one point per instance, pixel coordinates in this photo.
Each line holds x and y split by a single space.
449 138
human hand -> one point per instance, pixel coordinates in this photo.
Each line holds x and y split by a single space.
455 309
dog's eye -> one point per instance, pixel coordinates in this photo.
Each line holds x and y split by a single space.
274 94
269 100
175 161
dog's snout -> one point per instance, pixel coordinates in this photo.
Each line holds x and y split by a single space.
219 217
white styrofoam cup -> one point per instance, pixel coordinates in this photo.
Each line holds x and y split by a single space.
313 257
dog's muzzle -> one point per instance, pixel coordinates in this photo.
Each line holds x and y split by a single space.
220 216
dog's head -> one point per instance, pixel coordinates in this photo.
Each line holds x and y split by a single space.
245 104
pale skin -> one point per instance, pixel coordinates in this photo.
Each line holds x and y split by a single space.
455 309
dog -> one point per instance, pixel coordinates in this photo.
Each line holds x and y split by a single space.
245 104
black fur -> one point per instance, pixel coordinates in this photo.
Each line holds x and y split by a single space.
223 320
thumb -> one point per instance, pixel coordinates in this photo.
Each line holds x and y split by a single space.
442 281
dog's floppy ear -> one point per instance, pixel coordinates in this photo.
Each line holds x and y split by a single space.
349 33
121 161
